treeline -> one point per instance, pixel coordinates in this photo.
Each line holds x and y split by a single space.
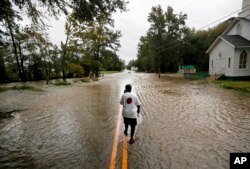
91 43
170 43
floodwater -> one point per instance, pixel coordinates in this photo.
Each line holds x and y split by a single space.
187 124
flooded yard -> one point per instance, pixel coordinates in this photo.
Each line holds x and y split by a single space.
187 124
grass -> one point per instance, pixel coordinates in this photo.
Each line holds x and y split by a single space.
108 72
27 87
243 86
23 87
3 89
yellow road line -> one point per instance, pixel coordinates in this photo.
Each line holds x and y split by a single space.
114 150
124 153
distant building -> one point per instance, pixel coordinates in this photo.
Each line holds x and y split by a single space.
134 68
230 52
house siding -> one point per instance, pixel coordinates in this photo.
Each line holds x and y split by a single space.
220 55
241 72
245 29
233 30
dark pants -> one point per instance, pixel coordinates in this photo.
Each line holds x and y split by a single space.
132 123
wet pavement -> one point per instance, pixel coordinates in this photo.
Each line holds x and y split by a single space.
187 124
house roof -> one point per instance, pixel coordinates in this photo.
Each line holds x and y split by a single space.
236 20
244 19
236 40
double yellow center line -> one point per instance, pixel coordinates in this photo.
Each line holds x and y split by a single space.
124 145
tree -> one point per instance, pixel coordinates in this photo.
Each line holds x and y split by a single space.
34 52
3 72
9 17
88 39
55 64
82 11
163 43
12 27
179 44
157 29
146 60
32 9
110 61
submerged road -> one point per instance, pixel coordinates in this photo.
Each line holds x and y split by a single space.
187 124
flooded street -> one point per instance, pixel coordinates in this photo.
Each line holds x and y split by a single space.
187 124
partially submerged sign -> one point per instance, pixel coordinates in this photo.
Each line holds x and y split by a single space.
187 69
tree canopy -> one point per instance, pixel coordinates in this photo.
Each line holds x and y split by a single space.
159 49
28 53
170 43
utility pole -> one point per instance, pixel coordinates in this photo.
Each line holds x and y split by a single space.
157 53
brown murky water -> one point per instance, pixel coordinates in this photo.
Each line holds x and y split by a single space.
187 124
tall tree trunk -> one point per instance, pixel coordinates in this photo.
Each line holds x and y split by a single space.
158 54
15 48
64 56
3 72
50 69
46 72
97 59
21 65
45 64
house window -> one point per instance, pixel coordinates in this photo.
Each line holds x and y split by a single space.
243 60
212 63
229 62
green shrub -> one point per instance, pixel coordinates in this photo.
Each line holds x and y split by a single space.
27 87
75 70
3 89
109 72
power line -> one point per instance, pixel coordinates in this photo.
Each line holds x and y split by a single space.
159 49
244 9
219 20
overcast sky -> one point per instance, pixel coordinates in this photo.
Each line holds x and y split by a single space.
133 24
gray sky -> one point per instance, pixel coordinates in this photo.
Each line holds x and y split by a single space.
133 23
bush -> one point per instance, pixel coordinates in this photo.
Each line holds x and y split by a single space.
27 87
75 70
3 89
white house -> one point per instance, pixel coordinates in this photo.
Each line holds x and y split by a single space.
230 52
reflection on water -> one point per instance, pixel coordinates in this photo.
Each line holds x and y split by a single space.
187 124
